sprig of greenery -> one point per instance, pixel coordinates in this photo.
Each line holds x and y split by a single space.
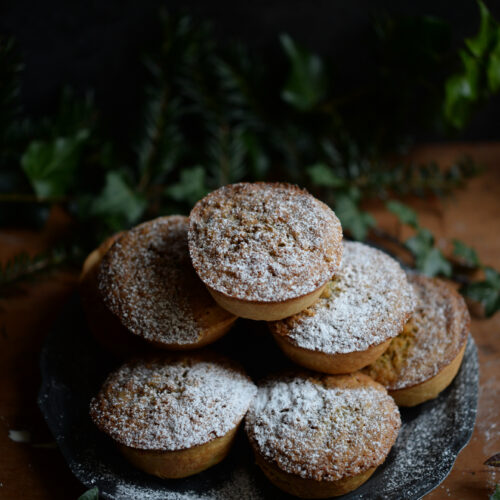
430 260
479 77
24 266
486 292
214 115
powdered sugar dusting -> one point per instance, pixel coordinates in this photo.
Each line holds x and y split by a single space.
437 331
146 280
239 485
264 242
173 404
430 438
316 431
433 434
441 324
366 303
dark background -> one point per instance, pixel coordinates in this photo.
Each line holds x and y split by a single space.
98 44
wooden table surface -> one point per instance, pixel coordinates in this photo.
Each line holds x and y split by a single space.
36 470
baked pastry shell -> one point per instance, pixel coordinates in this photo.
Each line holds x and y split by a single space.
268 310
265 311
302 487
430 388
174 464
310 488
103 324
113 336
330 363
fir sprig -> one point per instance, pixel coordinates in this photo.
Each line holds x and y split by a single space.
24 267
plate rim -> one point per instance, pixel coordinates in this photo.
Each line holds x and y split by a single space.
43 396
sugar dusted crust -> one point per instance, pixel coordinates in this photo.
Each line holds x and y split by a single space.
172 402
105 326
365 304
323 428
264 242
146 279
431 340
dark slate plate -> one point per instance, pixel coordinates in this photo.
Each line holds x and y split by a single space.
73 367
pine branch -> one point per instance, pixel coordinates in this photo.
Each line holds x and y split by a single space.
23 267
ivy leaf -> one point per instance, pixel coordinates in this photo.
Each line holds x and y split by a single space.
433 263
421 243
404 213
428 259
321 175
191 186
492 277
486 292
493 67
118 204
493 461
51 165
496 494
467 254
462 92
306 83
480 44
92 494
352 218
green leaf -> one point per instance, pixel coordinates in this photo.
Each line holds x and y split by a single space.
421 243
493 67
466 253
433 263
118 204
306 84
462 92
404 213
51 165
480 44
256 154
226 150
492 277
485 293
191 186
428 259
92 494
323 176
356 221
496 494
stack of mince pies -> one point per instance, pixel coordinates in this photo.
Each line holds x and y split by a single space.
364 336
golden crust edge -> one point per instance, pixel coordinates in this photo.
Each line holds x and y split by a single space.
430 388
265 311
333 364
107 328
311 488
174 464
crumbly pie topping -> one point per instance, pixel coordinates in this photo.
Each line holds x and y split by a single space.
172 403
431 339
367 302
265 242
323 427
146 279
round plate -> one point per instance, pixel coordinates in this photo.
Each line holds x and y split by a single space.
73 368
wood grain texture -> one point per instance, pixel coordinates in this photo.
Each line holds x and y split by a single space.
28 471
